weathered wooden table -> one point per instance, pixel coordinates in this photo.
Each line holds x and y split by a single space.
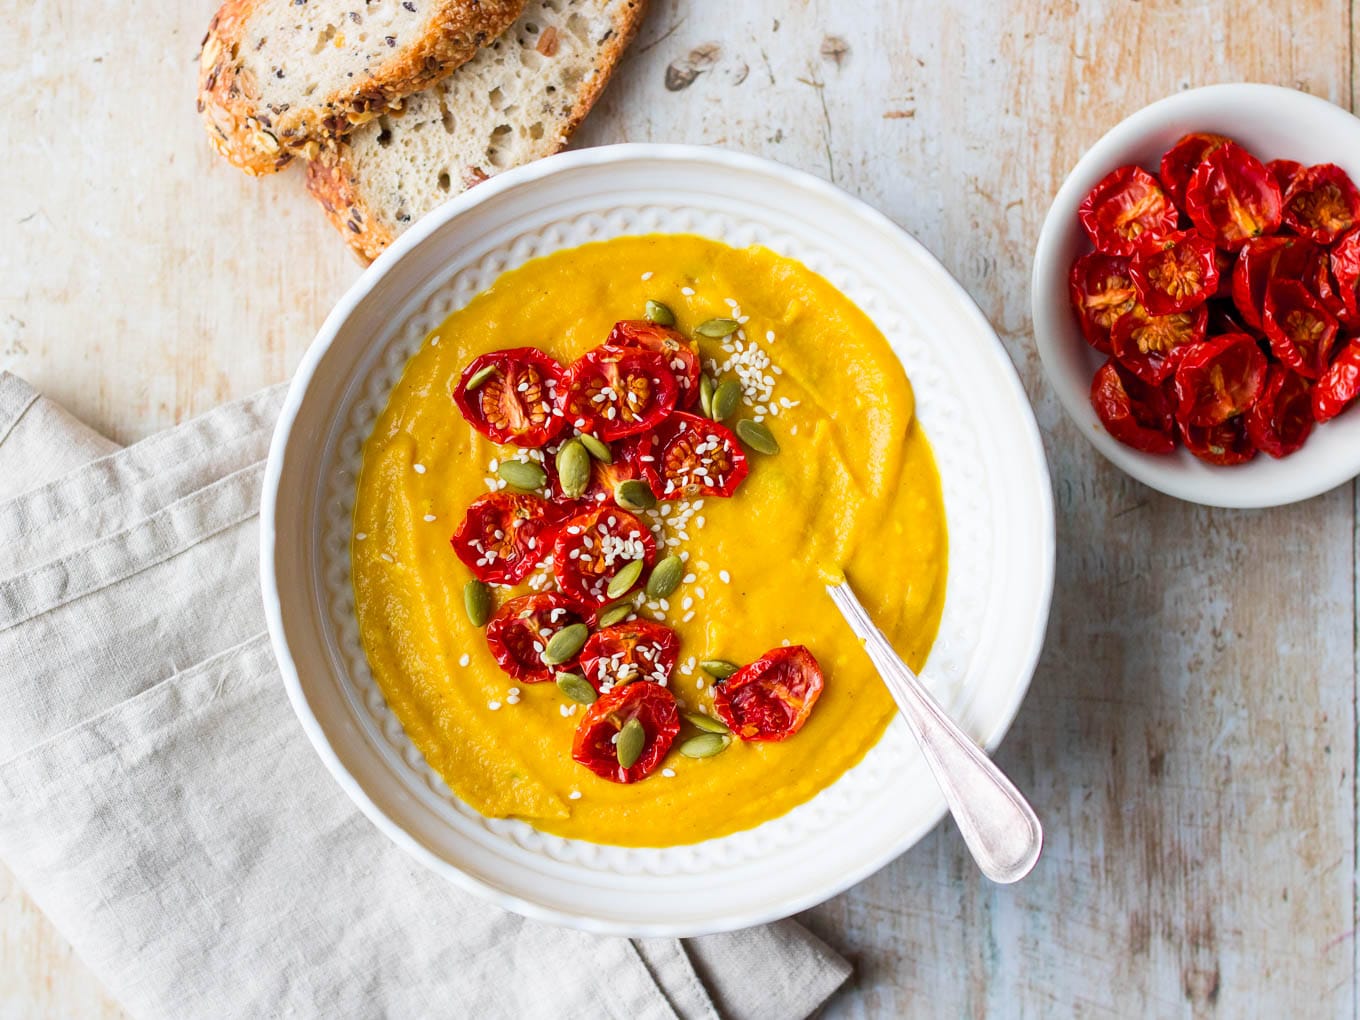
1190 738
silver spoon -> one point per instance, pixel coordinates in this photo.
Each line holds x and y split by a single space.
998 825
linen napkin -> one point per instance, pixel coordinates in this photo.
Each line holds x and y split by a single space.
159 801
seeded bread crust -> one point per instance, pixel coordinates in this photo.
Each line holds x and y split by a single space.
260 135
367 219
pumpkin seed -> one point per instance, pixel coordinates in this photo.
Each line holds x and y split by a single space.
634 494
660 314
478 377
725 399
623 581
616 613
719 669
665 577
563 645
477 602
577 688
755 435
718 328
522 474
705 722
573 468
706 395
628 747
705 745
597 448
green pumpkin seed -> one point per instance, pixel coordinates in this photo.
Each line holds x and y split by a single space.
573 468
577 688
596 447
719 669
706 395
628 748
718 328
634 494
477 602
660 314
565 644
522 474
705 745
616 613
725 399
755 435
706 723
478 377
622 582
665 577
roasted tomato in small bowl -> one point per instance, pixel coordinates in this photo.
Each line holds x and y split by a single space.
1197 289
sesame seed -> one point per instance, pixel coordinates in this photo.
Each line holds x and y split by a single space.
687 291
360 537
647 275
495 706
430 518
464 659
668 773
387 557
724 577
418 468
574 795
688 579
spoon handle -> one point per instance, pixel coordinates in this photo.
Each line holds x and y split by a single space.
996 822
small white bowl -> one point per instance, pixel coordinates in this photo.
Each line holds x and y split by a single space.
997 503
1273 123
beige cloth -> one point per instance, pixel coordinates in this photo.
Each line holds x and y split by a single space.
159 801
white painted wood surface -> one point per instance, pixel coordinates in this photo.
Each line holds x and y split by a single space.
1190 739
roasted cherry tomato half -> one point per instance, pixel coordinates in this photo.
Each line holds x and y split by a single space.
504 535
1219 379
603 477
520 631
1322 203
1259 262
1175 273
1136 414
637 650
1232 197
771 698
1150 345
689 456
515 403
1282 417
1284 171
1181 159
1339 385
594 546
613 393
1101 290
1301 331
1126 209
1224 444
652 705
1345 264
680 354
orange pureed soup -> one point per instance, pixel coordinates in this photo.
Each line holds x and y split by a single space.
852 489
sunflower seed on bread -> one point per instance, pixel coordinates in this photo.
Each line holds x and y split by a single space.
520 98
279 77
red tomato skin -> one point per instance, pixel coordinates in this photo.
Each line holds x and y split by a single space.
610 367
652 705
1180 161
1321 224
1290 297
1284 171
1281 419
588 590
603 478
1225 444
1339 385
511 636
1198 366
1345 265
598 656
539 523
1154 366
785 684
1232 197
1101 290
1136 414
1125 209
1195 254
475 405
683 432
639 334
1255 266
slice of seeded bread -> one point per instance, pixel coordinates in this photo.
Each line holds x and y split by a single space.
517 100
277 77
